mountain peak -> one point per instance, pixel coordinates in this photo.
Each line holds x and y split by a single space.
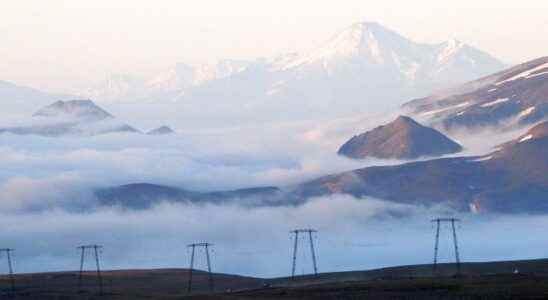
366 38
71 118
366 26
82 108
162 130
401 138
454 43
405 120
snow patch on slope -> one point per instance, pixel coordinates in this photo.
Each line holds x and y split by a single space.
481 159
526 138
452 48
493 103
433 112
526 112
526 74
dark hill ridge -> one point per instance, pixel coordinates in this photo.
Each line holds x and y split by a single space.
518 95
402 138
144 195
512 179
479 280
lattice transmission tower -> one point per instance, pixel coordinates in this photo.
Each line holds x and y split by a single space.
95 252
206 247
438 223
310 233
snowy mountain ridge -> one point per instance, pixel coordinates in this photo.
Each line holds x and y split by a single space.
513 97
365 68
362 49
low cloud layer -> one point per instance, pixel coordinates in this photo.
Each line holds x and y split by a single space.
44 180
38 171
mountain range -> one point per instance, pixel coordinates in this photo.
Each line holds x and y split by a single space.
511 179
365 67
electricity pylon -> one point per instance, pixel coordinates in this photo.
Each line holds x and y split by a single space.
8 252
95 249
206 246
438 222
295 249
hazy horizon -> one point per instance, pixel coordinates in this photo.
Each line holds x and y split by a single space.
69 45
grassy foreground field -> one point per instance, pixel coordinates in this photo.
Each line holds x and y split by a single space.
527 279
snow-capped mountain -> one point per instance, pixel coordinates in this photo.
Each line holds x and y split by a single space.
169 84
364 45
365 67
179 77
118 87
221 69
368 65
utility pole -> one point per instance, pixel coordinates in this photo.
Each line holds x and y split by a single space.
8 252
95 249
295 248
206 247
438 222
